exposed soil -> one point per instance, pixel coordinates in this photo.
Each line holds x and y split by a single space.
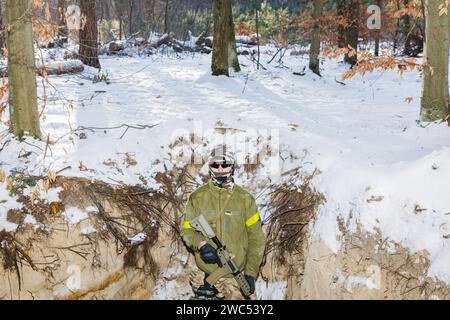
46 263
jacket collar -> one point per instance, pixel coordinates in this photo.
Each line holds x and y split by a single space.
213 187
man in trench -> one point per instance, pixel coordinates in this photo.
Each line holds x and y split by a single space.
231 212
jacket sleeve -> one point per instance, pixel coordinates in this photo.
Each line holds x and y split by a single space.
256 240
191 237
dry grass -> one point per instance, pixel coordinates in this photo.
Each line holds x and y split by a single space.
125 211
291 210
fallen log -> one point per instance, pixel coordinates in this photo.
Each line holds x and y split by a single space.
201 39
165 39
53 68
60 67
247 40
115 47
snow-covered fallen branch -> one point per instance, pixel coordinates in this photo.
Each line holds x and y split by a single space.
54 68
60 67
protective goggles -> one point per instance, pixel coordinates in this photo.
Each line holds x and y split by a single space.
216 165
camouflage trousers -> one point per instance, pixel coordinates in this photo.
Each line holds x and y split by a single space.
227 287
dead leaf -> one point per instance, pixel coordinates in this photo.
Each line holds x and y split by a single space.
82 167
36 194
46 185
9 183
51 176
55 207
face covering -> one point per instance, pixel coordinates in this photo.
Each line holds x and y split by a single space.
222 180
221 154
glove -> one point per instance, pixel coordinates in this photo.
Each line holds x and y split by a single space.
209 254
251 283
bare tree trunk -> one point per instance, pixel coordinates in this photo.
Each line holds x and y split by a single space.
130 29
2 34
166 17
395 45
21 69
378 32
62 23
422 5
407 49
219 63
233 60
314 51
340 7
153 15
377 44
88 34
257 33
434 102
120 28
351 34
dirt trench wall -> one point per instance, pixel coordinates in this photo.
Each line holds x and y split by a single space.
366 267
62 261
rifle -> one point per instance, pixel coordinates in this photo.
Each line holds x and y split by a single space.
226 262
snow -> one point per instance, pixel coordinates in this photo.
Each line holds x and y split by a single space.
270 290
91 209
88 230
74 215
353 281
37 225
52 195
5 225
49 196
30 219
153 38
7 202
171 290
140 237
376 162
169 286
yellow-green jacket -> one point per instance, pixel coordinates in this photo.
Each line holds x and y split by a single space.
237 225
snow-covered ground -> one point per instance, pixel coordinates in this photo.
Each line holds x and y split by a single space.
376 162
